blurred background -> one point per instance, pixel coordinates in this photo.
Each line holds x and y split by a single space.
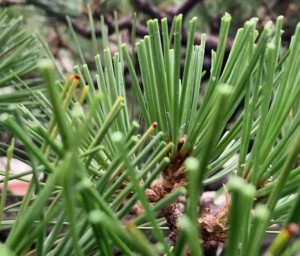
70 39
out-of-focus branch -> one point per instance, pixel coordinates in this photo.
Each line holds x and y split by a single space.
50 9
145 7
182 8
123 23
8 3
